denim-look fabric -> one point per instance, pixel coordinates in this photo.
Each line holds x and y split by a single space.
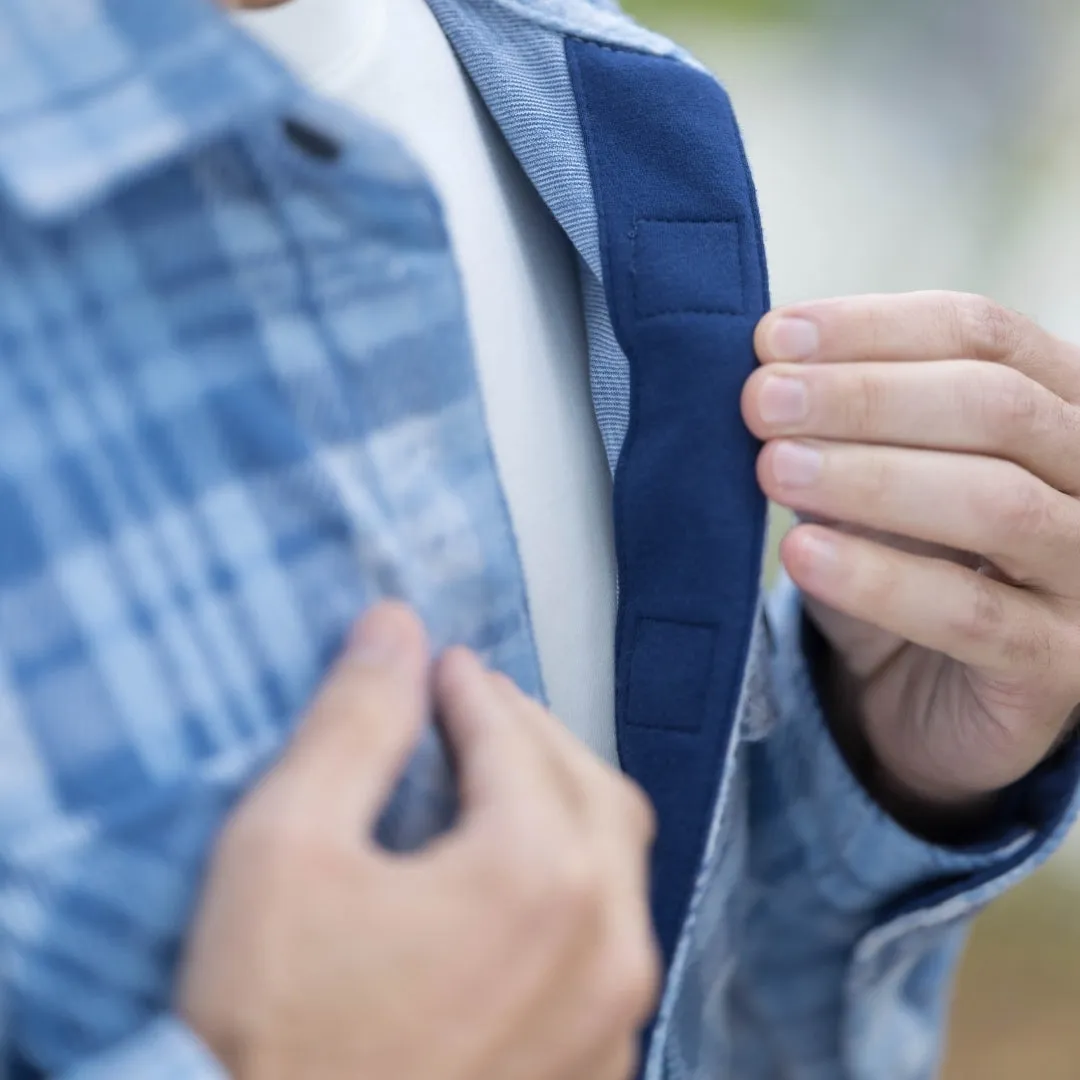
237 404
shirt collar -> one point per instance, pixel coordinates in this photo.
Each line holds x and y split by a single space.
95 92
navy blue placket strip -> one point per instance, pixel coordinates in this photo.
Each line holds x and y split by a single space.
686 284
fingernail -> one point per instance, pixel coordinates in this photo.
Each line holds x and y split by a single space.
794 339
796 464
783 401
378 638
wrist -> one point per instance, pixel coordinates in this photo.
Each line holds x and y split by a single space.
929 811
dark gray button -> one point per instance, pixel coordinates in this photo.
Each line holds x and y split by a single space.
313 143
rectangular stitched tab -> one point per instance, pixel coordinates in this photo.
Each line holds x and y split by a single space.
670 674
687 268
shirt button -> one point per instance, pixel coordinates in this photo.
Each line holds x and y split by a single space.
311 142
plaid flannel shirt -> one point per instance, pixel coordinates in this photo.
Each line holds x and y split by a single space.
237 405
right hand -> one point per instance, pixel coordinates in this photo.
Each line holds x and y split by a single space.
516 947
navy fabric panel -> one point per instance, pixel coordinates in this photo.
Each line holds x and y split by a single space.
686 284
687 267
685 654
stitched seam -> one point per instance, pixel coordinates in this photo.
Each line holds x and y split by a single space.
634 50
666 313
640 620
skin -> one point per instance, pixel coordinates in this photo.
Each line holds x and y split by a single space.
929 442
519 947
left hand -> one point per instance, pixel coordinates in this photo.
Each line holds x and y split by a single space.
931 443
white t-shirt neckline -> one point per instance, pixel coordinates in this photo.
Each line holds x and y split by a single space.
328 43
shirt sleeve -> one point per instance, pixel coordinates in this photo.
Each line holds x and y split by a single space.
862 857
856 924
165 1049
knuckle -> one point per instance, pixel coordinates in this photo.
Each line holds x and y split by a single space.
632 982
985 329
1018 507
862 409
641 982
631 806
983 618
1063 423
555 884
870 475
1059 429
1067 419
1009 407
640 812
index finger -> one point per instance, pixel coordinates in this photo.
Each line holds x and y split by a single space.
594 777
919 326
499 763
354 742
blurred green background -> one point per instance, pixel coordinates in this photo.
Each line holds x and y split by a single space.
927 144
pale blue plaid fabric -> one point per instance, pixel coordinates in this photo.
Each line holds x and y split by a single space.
236 405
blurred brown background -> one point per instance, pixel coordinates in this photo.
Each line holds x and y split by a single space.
928 144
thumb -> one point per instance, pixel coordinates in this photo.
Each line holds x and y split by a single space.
357 737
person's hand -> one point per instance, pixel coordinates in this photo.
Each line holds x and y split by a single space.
931 444
517 947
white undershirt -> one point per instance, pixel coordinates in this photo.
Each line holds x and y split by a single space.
390 60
